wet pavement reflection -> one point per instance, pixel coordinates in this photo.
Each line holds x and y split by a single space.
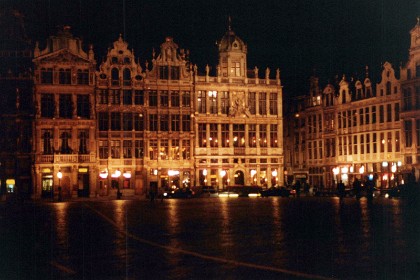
212 238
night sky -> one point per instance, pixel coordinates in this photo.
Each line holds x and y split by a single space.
331 36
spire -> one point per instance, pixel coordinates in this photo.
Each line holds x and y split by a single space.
230 23
367 71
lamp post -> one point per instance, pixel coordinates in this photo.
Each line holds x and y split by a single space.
59 176
223 174
116 175
274 174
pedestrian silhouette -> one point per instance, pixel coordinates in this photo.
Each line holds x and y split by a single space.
341 189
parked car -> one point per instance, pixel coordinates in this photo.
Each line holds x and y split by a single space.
275 191
411 190
178 193
204 191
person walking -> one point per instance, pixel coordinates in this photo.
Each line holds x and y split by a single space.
357 188
341 190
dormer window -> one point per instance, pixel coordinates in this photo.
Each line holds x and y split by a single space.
127 60
235 69
114 60
115 77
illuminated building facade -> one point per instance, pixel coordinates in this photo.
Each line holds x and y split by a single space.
130 128
410 105
353 129
64 137
168 126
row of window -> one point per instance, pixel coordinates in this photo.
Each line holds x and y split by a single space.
249 135
65 107
353 118
64 76
153 98
258 103
117 121
47 137
164 149
365 143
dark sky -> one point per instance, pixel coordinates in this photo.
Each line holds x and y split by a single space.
297 36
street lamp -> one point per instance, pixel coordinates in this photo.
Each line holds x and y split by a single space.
274 174
223 174
59 176
116 175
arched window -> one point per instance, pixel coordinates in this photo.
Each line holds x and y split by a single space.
127 77
115 77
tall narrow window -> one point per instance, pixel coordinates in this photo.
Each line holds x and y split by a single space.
389 142
115 77
273 136
186 99
127 97
355 144
115 121
214 142
252 103
186 123
239 135
174 72
138 122
83 137
153 122
127 149
153 149
103 149
127 121
47 105
263 135
186 146
273 103
373 114
252 135
164 149
375 143
224 102
382 139
397 141
408 131
164 98
103 96
175 152
381 114
263 103
397 112
362 144
65 148
225 135
367 143
66 106
153 98
201 101
138 148
126 77
163 72
388 113
83 106
164 122
202 139
175 123
47 138
115 148
139 97
103 118
174 98
213 101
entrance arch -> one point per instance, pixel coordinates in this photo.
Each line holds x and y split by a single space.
239 178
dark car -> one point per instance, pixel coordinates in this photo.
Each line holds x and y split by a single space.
410 190
276 191
178 193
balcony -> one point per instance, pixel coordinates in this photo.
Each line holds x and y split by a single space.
61 158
